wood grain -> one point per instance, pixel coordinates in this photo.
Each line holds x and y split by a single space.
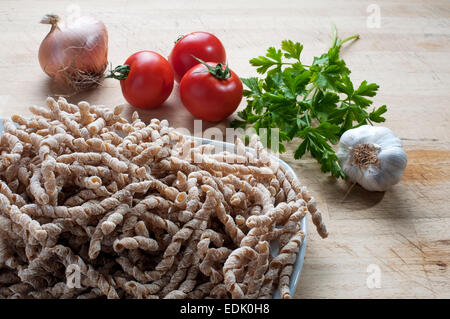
406 230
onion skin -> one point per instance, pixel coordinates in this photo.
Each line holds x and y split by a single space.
75 55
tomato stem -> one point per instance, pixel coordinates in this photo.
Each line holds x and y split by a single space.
119 73
178 39
217 71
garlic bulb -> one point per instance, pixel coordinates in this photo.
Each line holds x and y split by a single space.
372 156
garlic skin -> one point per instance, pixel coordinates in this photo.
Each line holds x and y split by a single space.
372 156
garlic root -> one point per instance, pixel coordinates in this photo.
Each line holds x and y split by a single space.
372 156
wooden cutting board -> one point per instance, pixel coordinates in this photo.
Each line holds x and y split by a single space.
402 234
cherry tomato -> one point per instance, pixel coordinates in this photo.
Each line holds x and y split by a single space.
202 45
149 81
211 92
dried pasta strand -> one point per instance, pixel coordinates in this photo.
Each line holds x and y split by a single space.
141 211
236 260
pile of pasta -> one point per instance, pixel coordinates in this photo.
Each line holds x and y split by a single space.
140 211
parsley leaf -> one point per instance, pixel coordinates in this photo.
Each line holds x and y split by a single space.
263 63
316 103
375 115
292 50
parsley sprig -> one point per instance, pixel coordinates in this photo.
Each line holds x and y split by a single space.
315 103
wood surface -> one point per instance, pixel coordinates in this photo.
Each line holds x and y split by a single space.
404 231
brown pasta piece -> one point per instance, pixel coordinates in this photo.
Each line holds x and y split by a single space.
262 263
219 292
16 216
9 278
92 294
200 291
214 255
237 259
187 269
197 223
140 210
16 291
95 279
285 258
145 291
136 242
232 230
106 226
36 188
186 287
6 258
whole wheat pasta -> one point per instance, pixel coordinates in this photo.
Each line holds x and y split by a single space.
315 213
92 294
94 278
14 198
292 226
237 259
201 290
141 211
96 126
285 258
134 271
106 226
146 290
219 292
36 189
136 242
111 137
230 226
67 107
262 263
41 111
63 117
184 267
187 286
288 266
197 223
82 158
20 135
86 194
8 228
15 291
141 230
17 217
6 258
213 256
85 116
9 278
206 238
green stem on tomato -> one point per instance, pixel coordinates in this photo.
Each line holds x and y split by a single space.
217 71
119 73
178 39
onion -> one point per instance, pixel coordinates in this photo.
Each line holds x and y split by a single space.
77 54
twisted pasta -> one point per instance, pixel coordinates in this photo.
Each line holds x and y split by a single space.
129 210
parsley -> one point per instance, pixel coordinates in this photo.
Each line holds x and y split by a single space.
315 103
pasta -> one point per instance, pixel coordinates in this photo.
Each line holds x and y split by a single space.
140 211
